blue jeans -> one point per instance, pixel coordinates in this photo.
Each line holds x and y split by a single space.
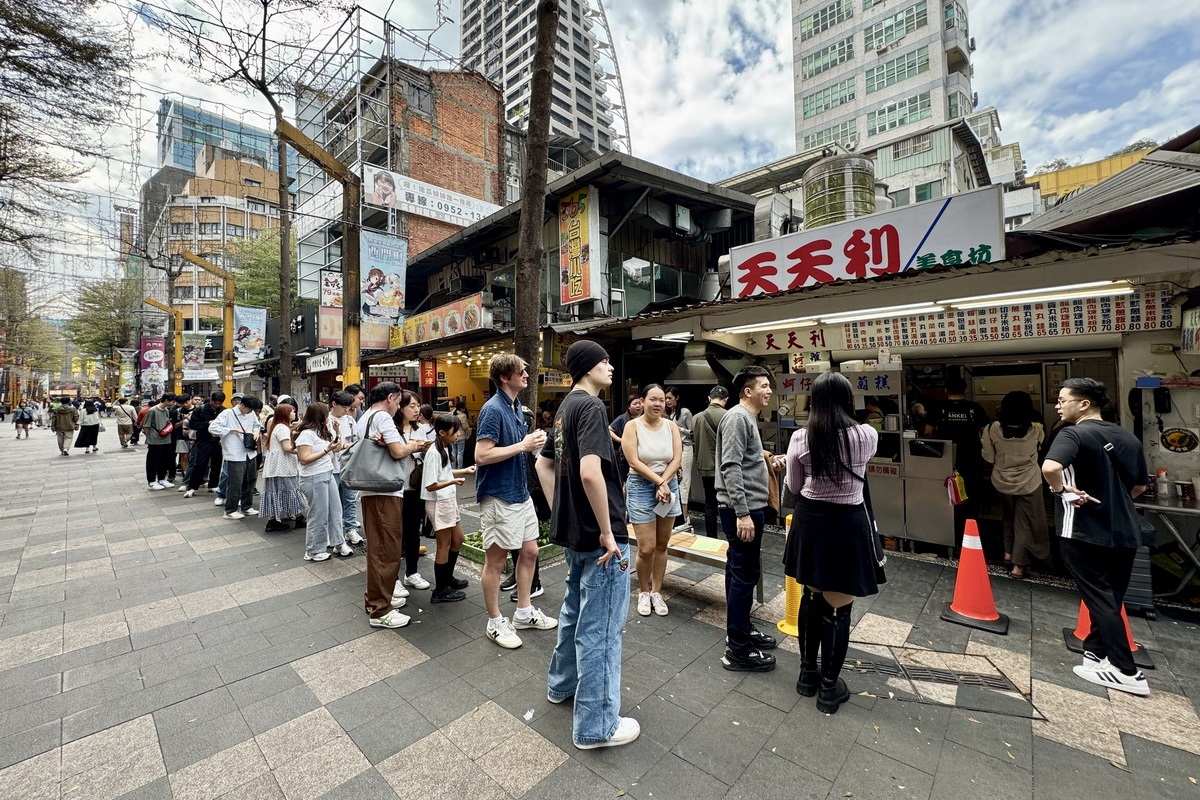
349 499
742 570
587 659
223 484
324 512
457 450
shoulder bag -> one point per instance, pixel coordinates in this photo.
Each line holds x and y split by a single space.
878 554
1147 533
368 466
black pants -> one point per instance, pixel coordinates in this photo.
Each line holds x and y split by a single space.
158 461
710 506
1102 576
742 570
414 514
205 455
239 492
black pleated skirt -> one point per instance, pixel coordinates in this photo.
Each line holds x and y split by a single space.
829 548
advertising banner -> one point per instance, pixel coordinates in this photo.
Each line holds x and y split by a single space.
329 327
1190 342
467 314
383 267
153 365
578 246
429 373
249 333
963 229
193 359
331 288
385 189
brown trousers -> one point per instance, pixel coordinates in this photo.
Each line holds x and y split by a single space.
383 523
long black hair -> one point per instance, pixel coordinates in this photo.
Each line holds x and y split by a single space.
1016 414
449 423
830 418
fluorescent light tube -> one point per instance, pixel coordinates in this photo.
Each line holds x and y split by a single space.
886 311
1048 297
1073 287
795 322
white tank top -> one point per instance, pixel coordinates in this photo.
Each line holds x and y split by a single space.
655 448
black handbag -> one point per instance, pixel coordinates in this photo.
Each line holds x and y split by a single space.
879 555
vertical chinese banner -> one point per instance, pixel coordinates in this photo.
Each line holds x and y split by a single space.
154 373
579 246
429 373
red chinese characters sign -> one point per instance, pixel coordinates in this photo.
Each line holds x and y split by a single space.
429 373
960 229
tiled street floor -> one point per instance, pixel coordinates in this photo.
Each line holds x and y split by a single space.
151 649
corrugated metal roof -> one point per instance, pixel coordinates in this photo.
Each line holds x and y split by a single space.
1158 175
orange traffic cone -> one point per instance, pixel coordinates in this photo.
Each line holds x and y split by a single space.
973 604
1074 638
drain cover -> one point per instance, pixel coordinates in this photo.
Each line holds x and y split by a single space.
997 682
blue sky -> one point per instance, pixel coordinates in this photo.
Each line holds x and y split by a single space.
709 82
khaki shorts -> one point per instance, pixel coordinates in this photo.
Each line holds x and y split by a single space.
442 513
507 525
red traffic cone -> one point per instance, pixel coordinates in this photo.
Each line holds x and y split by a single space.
973 604
1074 638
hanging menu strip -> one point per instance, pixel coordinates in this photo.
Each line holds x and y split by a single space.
1144 310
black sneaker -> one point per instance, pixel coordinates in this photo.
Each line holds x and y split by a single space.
509 583
300 522
458 583
752 661
760 640
276 525
447 596
537 591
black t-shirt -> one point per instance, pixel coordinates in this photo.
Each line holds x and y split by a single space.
961 421
1080 449
581 429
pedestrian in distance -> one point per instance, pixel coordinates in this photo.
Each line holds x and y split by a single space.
1011 445
316 450
240 434
654 450
64 420
578 472
742 484
341 425
830 549
409 423
1097 468
206 456
507 512
141 409
282 499
704 430
441 477
460 447
356 391
383 512
157 426
180 443
616 429
22 418
125 416
682 417
89 428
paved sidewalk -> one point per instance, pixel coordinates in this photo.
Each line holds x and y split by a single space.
151 649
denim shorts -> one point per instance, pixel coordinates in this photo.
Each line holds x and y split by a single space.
640 500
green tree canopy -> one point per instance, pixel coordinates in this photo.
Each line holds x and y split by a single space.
106 316
38 345
256 264
1134 147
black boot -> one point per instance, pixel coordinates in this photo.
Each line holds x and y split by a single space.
835 638
454 581
808 624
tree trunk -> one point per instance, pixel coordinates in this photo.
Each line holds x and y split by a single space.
286 271
527 310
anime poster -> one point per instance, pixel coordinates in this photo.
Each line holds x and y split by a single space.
153 365
384 267
249 333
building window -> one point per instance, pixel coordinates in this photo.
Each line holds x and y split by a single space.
209 325
208 200
929 191
208 292
210 229
955 15
256 206
899 197
826 18
250 182
958 105
188 323
898 69
842 132
237 231
420 98
181 229
899 113
827 57
894 27
181 292
829 97
910 147
871 3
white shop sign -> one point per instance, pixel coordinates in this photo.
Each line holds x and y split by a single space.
322 362
387 189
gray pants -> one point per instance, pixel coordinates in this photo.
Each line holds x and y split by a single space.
240 491
324 512
64 440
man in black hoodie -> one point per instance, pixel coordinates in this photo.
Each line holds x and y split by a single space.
206 455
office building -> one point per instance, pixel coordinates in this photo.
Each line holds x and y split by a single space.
184 129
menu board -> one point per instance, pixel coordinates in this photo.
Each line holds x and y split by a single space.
1143 310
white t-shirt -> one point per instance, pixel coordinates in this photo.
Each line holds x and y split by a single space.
343 429
381 422
277 462
318 445
437 470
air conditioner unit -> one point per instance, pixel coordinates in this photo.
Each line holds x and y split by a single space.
971 45
975 100
881 50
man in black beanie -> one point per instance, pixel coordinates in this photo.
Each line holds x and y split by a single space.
578 472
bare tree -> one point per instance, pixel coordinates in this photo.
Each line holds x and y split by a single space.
533 199
258 46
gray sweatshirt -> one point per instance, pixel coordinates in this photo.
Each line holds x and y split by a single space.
742 479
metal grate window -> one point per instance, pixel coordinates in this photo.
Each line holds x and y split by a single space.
899 113
827 57
901 24
829 97
898 69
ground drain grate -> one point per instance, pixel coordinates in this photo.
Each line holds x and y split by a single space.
955 678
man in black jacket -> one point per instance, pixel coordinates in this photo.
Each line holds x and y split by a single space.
207 452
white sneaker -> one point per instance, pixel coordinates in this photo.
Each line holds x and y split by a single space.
219 501
344 550
392 619
503 634
399 590
313 556
1092 662
628 729
399 602
1112 678
354 537
416 581
155 487
189 493
536 621
167 485
660 605
234 515
182 487
251 512
684 528
644 606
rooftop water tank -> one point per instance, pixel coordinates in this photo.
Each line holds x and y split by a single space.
838 188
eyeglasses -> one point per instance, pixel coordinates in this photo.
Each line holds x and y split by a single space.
1062 402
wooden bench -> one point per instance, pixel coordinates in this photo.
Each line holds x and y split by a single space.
684 546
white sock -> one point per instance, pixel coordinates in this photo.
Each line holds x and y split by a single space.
494 621
524 613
